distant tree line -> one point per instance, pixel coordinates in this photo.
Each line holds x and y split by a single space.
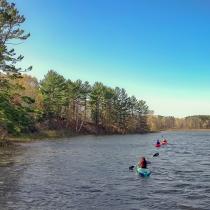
157 123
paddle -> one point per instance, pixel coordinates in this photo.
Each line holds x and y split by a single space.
148 162
156 154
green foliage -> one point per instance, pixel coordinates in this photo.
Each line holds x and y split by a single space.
54 90
14 117
113 108
96 101
75 104
78 94
15 114
10 33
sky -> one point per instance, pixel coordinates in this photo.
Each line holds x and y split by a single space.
158 50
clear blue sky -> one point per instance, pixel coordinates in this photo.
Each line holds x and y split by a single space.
158 50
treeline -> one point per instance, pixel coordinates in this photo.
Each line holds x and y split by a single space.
57 103
157 123
73 104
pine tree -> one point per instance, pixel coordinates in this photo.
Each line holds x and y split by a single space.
14 112
54 91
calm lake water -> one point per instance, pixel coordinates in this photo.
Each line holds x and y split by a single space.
92 173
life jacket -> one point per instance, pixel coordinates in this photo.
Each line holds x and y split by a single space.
143 164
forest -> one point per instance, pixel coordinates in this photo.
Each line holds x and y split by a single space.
57 103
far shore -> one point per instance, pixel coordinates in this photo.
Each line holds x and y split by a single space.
185 129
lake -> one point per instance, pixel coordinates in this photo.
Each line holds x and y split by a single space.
91 172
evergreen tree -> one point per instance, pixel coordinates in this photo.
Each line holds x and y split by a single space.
10 34
96 102
54 91
14 111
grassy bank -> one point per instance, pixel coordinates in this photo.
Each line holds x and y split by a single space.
55 134
41 135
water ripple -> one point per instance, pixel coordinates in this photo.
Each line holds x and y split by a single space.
92 173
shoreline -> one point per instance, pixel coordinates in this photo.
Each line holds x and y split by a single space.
61 134
42 136
55 134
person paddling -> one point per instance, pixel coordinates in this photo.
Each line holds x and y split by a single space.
165 141
142 163
158 142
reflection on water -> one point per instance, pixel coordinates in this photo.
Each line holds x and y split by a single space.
92 173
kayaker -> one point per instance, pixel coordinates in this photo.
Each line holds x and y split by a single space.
142 163
165 141
158 142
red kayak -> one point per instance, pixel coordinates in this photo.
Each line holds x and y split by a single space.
164 142
157 145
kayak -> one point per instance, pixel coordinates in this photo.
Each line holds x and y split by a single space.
144 172
157 145
164 143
